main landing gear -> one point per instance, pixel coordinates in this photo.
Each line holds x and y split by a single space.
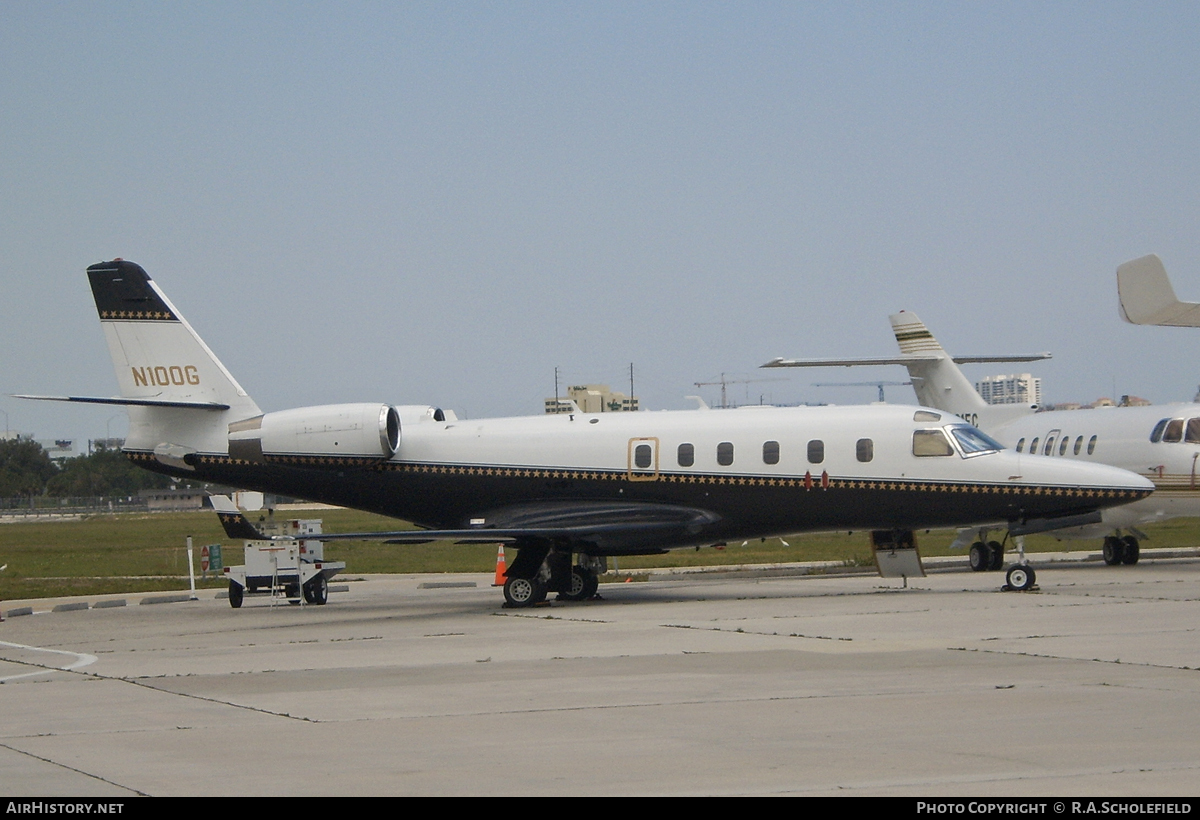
539 571
986 556
1125 550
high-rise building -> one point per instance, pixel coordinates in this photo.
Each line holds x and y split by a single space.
1021 388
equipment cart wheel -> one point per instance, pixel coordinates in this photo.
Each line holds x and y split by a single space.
235 594
316 591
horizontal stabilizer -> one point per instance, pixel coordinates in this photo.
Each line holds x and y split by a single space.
198 405
1147 297
902 360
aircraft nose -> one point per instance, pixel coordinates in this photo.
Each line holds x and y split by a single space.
1123 485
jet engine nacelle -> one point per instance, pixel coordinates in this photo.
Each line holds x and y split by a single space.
314 436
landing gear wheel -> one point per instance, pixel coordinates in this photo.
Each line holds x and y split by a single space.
980 556
524 592
316 591
1021 577
579 585
235 594
997 551
593 585
1114 550
1133 550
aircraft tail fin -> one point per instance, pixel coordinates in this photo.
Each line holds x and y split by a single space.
180 397
937 380
1147 297
234 521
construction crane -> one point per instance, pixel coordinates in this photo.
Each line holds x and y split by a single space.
724 381
880 385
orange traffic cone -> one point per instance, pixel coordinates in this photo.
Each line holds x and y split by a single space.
501 569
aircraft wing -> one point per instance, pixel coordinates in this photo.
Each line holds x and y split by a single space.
531 522
1147 297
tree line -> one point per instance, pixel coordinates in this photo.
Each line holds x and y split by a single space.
27 470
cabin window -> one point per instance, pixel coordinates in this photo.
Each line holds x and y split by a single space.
864 450
1033 446
770 452
1091 445
1049 450
725 453
1156 434
687 455
641 456
1062 445
931 443
816 451
1021 445
1174 431
1192 436
1078 444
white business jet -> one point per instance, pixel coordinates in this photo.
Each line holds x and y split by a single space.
569 490
1161 442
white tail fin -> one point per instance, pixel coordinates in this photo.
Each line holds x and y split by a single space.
938 380
181 398
1147 298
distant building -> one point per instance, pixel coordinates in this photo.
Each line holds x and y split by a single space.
592 398
1134 401
59 449
1021 388
173 499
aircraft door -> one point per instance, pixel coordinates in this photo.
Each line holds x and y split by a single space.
642 459
1051 438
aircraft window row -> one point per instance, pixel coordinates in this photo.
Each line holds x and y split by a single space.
1175 430
1063 444
686 454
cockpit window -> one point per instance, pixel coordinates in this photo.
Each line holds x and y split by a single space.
1156 434
925 415
1174 431
973 440
931 443
1192 435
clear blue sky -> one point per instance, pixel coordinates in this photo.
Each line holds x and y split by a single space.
441 202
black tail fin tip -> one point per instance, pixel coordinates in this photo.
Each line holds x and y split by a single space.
236 525
123 292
